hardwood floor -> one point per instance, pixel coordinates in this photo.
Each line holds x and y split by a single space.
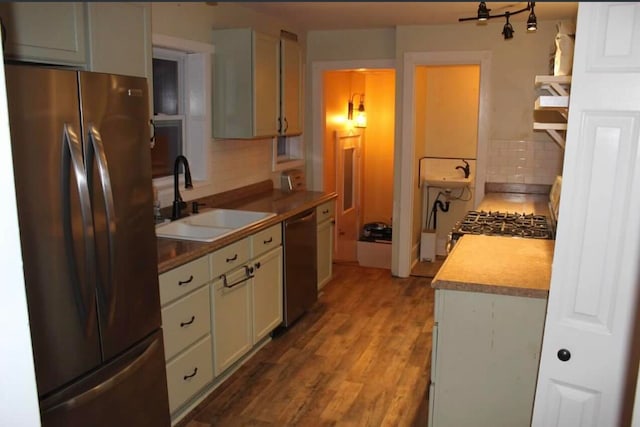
360 357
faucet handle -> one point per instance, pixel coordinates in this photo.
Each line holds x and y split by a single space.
195 207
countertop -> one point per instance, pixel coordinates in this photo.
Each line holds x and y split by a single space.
173 253
499 265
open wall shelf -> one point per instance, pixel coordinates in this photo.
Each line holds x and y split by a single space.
556 102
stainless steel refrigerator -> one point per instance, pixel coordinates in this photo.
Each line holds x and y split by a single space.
80 144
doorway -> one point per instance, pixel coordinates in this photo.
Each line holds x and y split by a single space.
373 202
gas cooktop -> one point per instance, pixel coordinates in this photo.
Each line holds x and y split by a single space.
505 224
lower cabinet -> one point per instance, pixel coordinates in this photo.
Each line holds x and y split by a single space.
325 218
186 327
232 328
267 293
485 356
189 373
216 310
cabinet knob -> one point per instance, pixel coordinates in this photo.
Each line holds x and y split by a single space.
564 354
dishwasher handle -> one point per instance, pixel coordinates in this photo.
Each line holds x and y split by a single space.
306 218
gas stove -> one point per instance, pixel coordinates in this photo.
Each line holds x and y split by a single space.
502 224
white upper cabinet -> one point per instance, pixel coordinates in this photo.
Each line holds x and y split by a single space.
51 33
120 38
290 86
246 84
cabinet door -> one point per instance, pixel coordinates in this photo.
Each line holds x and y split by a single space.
267 293
232 334
45 32
291 87
266 85
120 35
325 252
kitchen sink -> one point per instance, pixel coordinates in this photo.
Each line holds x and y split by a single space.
211 225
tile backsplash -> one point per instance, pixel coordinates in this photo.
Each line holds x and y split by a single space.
526 162
230 164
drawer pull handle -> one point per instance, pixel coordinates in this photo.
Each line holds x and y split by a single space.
184 282
269 240
233 258
326 211
257 265
183 324
195 371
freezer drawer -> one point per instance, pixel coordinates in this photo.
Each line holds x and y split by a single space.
129 391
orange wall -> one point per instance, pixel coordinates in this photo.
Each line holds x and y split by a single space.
377 141
377 188
338 87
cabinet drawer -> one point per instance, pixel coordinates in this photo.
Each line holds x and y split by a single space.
266 240
181 280
189 372
185 321
230 257
325 211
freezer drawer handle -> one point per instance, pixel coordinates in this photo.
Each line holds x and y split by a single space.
187 377
99 390
183 324
233 258
185 282
269 240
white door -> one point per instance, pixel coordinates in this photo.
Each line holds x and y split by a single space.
595 267
348 188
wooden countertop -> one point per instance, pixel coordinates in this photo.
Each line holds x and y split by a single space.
173 253
500 265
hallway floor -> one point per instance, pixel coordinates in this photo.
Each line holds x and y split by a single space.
360 357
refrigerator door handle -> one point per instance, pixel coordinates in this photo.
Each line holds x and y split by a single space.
100 389
72 158
97 148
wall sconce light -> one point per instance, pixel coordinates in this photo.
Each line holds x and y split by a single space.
507 31
361 116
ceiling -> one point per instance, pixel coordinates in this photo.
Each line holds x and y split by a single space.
310 16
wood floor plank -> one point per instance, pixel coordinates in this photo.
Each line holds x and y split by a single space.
359 357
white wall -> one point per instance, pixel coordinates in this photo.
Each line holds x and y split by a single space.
18 393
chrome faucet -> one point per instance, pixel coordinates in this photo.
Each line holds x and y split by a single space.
466 169
178 204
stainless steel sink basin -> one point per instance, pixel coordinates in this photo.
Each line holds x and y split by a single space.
211 225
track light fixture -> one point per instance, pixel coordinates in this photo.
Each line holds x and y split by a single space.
507 31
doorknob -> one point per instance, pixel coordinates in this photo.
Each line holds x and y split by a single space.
564 354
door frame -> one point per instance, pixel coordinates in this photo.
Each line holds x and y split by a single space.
404 151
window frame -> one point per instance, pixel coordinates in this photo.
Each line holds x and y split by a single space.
196 87
179 57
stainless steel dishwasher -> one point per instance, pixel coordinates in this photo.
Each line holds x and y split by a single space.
300 265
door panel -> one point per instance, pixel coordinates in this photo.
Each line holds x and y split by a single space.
115 116
348 167
129 391
592 299
59 292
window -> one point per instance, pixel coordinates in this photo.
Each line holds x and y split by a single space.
181 108
168 110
